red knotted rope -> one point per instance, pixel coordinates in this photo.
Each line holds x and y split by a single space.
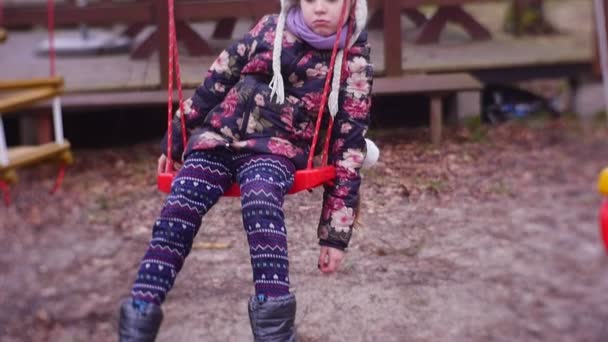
328 79
174 61
330 126
174 58
51 29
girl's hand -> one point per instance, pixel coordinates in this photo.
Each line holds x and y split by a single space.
162 164
330 259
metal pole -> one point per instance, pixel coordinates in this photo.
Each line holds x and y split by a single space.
602 37
57 120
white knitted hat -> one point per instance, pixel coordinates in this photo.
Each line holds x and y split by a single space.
277 84
372 155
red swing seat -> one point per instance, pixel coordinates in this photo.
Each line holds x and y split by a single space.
604 223
305 179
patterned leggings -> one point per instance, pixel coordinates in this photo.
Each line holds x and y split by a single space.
263 179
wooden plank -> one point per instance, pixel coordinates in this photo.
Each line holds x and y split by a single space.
31 83
92 14
456 14
23 156
418 83
215 9
425 83
26 98
418 3
114 99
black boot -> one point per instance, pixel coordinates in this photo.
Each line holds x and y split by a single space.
137 325
272 319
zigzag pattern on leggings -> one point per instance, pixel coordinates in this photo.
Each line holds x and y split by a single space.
196 188
264 182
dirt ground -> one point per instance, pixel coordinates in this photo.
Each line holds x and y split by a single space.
491 237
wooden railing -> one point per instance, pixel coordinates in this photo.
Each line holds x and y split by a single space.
142 12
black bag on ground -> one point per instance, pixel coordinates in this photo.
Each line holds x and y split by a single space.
500 103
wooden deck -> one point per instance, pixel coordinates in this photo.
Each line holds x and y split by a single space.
456 52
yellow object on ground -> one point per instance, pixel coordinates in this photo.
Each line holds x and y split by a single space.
602 183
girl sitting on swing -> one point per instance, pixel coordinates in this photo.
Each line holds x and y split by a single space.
252 121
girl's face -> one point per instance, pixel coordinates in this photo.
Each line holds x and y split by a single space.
322 16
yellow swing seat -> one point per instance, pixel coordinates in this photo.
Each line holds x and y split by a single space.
24 156
19 94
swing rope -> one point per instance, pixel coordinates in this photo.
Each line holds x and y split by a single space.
51 28
304 179
174 62
326 94
351 28
56 101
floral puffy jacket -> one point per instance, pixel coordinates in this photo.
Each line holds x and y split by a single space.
232 108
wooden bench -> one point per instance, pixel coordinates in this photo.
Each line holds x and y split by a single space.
16 96
435 86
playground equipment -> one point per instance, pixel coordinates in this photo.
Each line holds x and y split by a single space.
602 185
308 178
17 95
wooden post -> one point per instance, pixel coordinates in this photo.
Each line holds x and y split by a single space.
160 10
196 45
597 65
224 28
436 118
416 16
602 39
35 129
393 55
133 30
376 18
45 125
518 11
